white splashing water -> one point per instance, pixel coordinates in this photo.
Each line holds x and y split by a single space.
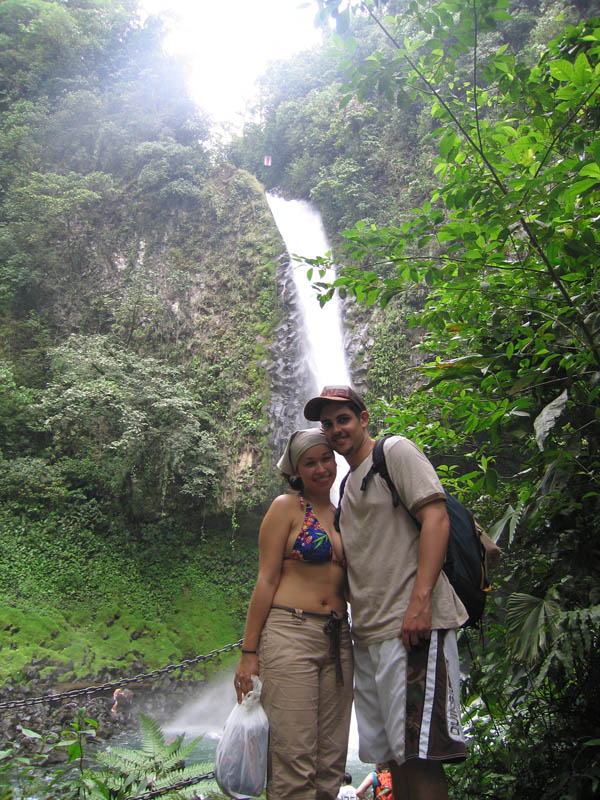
205 715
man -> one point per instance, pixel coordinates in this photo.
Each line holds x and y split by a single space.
404 611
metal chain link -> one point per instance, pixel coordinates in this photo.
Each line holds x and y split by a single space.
175 787
52 698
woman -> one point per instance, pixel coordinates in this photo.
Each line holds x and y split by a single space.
297 638
381 781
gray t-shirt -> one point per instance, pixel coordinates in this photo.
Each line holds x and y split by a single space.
381 545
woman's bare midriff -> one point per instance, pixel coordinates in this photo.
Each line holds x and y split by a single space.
312 587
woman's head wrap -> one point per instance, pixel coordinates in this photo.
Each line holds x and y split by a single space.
298 443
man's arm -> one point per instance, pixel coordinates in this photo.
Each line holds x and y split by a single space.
435 529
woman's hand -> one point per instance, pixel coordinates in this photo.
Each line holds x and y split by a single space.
246 668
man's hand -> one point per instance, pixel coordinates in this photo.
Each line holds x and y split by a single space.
416 625
435 528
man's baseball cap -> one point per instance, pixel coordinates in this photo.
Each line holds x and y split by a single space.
332 394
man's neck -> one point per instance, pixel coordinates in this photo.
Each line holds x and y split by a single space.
356 458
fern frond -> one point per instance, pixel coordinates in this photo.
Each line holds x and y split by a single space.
191 771
153 739
123 758
578 636
157 763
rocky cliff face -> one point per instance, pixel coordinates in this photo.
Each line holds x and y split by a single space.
289 372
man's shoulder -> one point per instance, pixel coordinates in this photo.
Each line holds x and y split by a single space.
396 447
412 472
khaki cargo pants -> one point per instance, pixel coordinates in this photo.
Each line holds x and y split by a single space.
309 714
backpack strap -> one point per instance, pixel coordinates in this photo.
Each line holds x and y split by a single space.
380 467
338 511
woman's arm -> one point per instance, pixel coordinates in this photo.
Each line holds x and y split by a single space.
273 535
368 781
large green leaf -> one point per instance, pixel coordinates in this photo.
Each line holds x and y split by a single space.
530 623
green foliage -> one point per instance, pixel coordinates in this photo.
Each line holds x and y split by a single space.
25 773
502 237
346 160
531 725
529 620
137 308
91 774
116 220
130 423
157 764
75 597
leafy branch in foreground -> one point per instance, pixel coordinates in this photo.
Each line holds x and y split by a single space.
508 245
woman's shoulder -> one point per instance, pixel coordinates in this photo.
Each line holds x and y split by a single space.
292 503
284 512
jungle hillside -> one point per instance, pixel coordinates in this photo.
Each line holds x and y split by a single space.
452 150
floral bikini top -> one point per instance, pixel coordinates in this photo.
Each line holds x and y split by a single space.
313 544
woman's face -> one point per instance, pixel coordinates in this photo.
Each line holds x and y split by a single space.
317 468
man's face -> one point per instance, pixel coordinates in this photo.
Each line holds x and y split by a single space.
345 431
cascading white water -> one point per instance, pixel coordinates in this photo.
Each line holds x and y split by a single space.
301 228
302 231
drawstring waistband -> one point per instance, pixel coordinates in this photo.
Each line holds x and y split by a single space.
333 629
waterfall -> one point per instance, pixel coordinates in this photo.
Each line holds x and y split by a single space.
318 329
302 231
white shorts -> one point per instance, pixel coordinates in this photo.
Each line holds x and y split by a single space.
407 704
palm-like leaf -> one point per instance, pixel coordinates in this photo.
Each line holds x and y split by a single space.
531 622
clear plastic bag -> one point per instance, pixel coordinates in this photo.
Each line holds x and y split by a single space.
241 759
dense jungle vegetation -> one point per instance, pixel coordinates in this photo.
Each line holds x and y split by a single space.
138 304
452 149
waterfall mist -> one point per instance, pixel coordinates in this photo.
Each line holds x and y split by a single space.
206 713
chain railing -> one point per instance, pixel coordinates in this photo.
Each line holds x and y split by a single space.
174 788
88 690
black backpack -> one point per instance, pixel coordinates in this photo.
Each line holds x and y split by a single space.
465 563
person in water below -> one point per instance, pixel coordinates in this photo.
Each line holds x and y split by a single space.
297 638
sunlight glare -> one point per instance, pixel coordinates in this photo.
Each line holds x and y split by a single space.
229 44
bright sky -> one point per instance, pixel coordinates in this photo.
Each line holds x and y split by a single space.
229 42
